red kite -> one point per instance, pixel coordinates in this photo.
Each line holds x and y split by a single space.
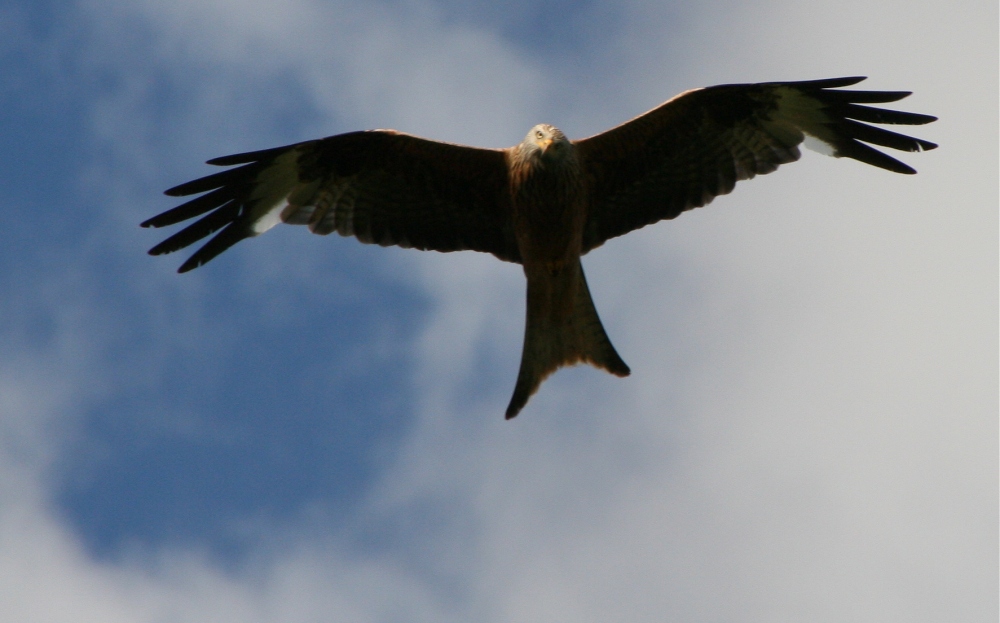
542 203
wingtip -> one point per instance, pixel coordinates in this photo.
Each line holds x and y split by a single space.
851 80
920 119
831 83
188 265
898 167
221 161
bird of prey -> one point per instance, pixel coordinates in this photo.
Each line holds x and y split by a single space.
542 203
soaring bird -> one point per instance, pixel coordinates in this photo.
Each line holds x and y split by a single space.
542 203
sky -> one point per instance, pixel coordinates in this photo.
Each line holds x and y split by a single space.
311 429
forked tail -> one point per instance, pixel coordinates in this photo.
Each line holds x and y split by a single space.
562 329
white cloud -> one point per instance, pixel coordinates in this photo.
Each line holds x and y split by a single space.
810 430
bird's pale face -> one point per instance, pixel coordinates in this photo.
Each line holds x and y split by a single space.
546 141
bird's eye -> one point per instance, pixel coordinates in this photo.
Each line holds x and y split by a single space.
539 134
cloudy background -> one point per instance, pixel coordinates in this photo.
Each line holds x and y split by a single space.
310 429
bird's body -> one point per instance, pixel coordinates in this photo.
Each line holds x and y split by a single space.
542 203
549 208
548 197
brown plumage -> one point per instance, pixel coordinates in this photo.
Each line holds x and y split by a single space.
542 203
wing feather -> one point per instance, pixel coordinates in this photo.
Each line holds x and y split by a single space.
191 209
221 217
879 115
381 186
697 145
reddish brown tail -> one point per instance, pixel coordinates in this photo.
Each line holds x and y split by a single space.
562 329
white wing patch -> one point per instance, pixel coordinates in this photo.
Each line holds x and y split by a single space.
270 217
803 120
270 196
818 145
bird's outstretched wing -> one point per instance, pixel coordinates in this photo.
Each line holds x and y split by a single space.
380 186
697 145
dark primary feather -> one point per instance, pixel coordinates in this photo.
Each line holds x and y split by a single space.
697 145
382 187
879 115
243 158
221 217
191 209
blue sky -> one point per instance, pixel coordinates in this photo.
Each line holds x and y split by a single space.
311 429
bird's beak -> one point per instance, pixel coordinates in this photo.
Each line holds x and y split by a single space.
544 144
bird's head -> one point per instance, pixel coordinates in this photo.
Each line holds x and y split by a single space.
546 142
